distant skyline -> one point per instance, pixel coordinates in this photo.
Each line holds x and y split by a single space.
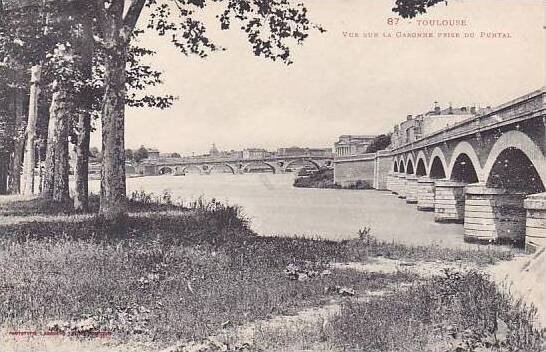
340 85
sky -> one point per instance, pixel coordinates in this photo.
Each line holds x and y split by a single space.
340 84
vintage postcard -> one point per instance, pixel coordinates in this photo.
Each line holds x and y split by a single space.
272 175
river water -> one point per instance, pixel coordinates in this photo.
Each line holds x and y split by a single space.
276 208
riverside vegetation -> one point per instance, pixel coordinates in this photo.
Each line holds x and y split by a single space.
178 272
324 178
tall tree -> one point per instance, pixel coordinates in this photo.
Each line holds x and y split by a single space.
140 154
85 50
23 43
270 26
30 145
19 142
380 142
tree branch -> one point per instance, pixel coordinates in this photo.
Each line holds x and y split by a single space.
101 14
132 16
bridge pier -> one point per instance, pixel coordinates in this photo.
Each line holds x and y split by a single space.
402 186
411 189
449 201
425 194
390 177
535 231
494 214
395 185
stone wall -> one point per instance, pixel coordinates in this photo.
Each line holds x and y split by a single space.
372 168
351 169
383 165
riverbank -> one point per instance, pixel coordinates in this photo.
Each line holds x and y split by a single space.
197 274
324 178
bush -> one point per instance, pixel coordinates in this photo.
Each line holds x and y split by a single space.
324 178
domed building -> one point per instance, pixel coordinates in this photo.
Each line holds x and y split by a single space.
214 151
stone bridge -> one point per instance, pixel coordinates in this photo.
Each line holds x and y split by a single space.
488 172
204 166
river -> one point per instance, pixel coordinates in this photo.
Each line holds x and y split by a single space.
276 208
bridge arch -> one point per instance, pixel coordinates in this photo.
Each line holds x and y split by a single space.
516 162
410 169
187 168
421 164
394 166
437 166
258 163
225 166
401 167
165 170
308 161
465 165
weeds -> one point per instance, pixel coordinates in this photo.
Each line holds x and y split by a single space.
368 246
455 312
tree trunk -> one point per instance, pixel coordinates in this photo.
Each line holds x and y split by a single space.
60 180
56 186
113 201
116 35
4 162
30 148
81 172
49 167
19 145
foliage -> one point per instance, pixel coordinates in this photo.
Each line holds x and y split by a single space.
324 178
380 142
129 155
412 8
140 154
269 25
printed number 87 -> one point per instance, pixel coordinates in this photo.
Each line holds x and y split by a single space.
392 21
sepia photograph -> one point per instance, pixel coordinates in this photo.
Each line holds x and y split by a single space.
272 175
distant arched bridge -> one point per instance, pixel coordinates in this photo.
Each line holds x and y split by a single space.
274 164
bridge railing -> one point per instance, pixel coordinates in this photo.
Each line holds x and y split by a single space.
527 106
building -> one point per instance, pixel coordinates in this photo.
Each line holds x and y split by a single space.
352 144
233 154
153 154
325 152
214 152
291 151
420 126
255 153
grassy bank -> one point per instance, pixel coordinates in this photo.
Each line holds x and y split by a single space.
189 275
324 178
455 312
